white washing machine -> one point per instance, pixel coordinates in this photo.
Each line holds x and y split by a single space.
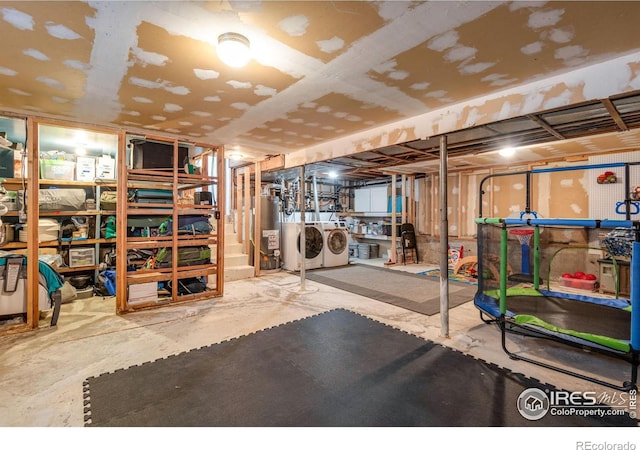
314 243
336 244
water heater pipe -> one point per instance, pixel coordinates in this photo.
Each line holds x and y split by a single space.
315 199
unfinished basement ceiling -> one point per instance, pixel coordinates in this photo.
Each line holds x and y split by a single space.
562 134
327 79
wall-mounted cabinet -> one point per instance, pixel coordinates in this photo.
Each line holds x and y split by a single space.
371 199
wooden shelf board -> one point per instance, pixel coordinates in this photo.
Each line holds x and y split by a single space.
207 210
193 241
196 271
69 213
376 237
196 296
13 184
76 242
76 269
147 277
153 209
13 245
93 183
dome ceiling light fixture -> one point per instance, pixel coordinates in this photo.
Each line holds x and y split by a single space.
235 156
234 49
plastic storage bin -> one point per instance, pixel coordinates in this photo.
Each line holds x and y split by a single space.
48 230
577 283
363 251
83 256
57 169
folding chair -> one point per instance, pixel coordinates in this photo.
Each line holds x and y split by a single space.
408 237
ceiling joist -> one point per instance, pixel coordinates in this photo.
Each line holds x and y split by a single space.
614 114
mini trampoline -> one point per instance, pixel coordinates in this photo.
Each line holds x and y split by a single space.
573 316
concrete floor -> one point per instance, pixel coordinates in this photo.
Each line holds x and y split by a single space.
42 372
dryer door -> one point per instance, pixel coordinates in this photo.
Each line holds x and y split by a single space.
337 242
313 242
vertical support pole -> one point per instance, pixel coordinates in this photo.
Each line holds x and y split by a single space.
220 192
403 198
303 231
122 289
257 226
239 209
316 199
412 200
444 241
460 191
394 221
33 211
432 206
247 209
174 222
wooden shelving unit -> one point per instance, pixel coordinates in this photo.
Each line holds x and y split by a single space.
124 179
178 183
37 141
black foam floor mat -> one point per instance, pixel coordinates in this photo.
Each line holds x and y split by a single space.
333 369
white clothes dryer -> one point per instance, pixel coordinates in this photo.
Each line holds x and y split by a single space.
336 244
314 245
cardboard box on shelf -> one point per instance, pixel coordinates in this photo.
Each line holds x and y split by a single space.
85 168
143 292
106 167
17 165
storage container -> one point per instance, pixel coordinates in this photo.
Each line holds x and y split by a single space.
363 251
59 199
143 292
374 250
577 283
9 199
82 256
106 167
57 169
85 168
14 302
202 198
48 230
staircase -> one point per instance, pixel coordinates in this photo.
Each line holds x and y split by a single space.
236 265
